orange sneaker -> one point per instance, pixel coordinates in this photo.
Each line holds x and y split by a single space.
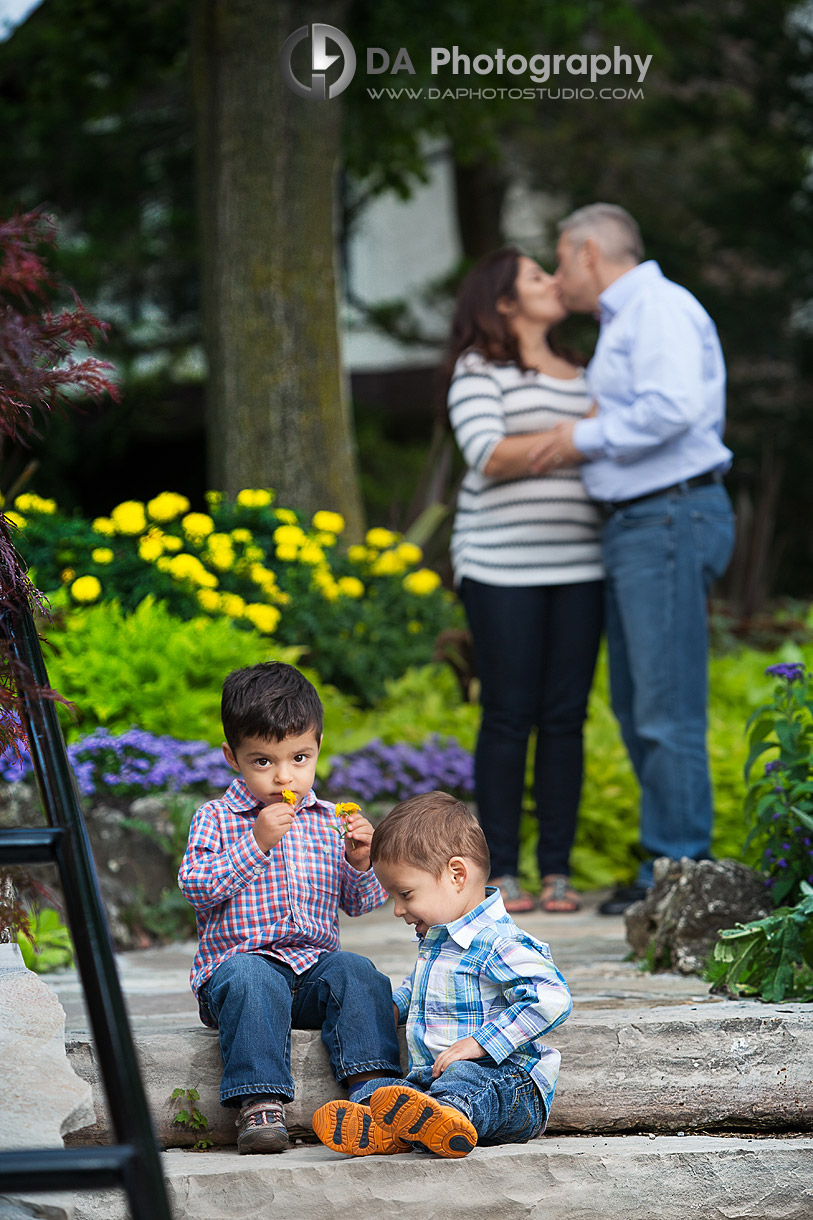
411 1115
346 1126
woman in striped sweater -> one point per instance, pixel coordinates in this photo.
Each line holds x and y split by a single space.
526 558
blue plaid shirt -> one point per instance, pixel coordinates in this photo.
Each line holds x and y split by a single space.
482 977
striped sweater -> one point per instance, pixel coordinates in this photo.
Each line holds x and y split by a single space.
526 531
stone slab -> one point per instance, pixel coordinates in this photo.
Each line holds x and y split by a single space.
735 1065
43 1099
560 1178
33 1064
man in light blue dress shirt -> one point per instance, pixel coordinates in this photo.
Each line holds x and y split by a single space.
653 460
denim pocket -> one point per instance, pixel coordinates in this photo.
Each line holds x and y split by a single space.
526 1116
713 531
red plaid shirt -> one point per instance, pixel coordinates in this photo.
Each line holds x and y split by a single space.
285 903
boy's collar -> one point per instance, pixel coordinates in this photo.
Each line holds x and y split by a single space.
240 800
463 931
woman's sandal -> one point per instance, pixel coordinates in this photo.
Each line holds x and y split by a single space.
557 898
516 900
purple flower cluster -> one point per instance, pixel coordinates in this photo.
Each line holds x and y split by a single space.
790 671
380 772
133 763
776 765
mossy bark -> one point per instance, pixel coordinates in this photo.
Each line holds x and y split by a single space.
277 402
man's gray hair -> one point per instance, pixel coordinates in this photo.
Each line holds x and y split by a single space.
614 231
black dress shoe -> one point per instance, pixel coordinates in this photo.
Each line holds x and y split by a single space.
621 898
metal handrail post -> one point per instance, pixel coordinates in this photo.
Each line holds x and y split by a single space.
110 1024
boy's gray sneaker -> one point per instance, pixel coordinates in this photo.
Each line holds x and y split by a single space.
261 1127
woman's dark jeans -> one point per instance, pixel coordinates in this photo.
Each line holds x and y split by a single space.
535 652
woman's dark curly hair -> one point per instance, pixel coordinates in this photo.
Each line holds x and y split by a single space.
479 326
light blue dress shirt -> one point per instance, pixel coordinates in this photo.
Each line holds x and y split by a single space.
658 376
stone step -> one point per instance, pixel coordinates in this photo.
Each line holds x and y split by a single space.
733 1065
554 1178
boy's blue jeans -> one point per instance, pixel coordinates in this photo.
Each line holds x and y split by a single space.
500 1100
255 1000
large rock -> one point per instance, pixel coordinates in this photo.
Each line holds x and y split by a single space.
676 925
736 1065
43 1099
579 1178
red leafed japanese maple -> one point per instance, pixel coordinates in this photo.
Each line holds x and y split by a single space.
37 365
39 371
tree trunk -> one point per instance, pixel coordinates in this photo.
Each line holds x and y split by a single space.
480 188
277 401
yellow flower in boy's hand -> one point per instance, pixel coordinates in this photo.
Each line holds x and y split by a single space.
344 811
288 796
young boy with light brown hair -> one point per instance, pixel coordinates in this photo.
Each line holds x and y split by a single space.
476 1005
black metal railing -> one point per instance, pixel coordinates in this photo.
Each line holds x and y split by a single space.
133 1162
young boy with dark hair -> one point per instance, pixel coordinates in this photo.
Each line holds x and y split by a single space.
476 1005
267 868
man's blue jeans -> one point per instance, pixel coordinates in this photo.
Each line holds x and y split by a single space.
661 556
255 1000
500 1100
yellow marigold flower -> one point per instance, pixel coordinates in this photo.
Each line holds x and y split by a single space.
289 535
164 564
358 554
287 552
264 618
282 599
389 563
67 575
103 525
209 600
129 517
380 538
254 497
232 604
422 582
221 551
102 554
167 506
331 523
213 498
241 535
149 549
197 526
414 627
288 796
286 515
30 502
329 591
16 519
254 554
262 576
311 553
189 567
351 586
171 543
410 553
324 539
86 589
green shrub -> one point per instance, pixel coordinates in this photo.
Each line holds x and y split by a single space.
148 668
47 943
771 958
